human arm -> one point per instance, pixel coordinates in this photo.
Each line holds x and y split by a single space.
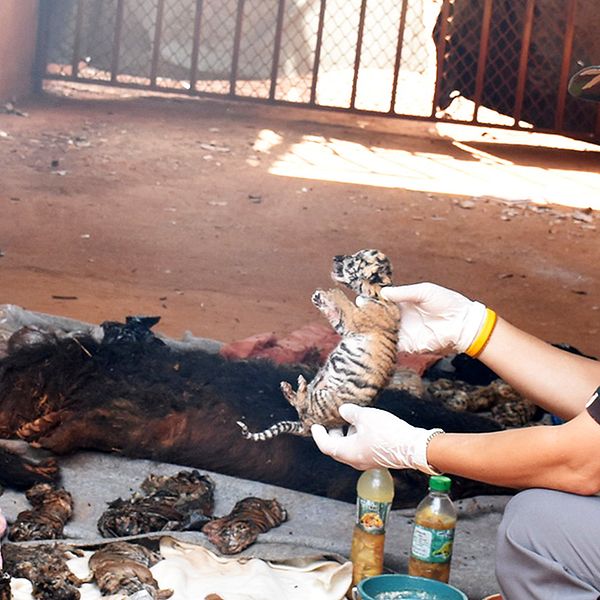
438 319
559 381
562 457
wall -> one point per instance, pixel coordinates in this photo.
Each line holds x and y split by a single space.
18 30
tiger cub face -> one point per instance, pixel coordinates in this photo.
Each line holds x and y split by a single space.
364 272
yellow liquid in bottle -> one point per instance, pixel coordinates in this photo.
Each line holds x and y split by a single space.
375 485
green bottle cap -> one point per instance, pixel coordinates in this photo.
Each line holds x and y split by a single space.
440 483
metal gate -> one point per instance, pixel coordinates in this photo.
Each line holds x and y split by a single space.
501 63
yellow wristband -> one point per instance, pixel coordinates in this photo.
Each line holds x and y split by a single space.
484 334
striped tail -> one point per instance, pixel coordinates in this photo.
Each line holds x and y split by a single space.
293 427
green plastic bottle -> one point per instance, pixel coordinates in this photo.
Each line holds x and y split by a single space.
375 492
433 532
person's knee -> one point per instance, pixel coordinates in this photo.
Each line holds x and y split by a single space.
526 515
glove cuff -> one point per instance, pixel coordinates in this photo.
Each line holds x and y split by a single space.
472 318
485 331
419 458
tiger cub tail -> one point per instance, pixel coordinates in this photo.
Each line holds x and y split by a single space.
293 427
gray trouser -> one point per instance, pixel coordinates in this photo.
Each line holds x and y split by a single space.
548 547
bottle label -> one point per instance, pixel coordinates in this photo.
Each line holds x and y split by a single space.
372 516
432 545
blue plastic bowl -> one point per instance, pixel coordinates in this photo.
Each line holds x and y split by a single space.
423 588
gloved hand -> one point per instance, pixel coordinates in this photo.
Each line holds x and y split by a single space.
436 319
377 439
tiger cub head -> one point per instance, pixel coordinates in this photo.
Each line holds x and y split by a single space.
365 272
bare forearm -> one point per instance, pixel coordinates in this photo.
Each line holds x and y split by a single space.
554 457
559 381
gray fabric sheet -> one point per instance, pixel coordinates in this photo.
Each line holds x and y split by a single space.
315 525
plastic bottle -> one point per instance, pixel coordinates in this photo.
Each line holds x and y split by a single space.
433 532
375 492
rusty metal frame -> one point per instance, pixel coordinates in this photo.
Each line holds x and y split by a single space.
44 23
523 60
483 54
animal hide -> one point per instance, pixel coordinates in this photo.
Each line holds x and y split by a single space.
132 394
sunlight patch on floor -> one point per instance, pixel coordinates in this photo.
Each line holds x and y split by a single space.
458 167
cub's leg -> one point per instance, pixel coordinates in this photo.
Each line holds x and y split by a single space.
337 308
298 399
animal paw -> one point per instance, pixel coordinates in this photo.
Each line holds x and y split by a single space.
319 299
288 391
302 385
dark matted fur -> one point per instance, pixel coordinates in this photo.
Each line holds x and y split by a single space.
141 398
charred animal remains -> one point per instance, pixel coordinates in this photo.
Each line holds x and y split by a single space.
132 394
124 568
52 508
182 502
506 405
45 565
240 528
364 360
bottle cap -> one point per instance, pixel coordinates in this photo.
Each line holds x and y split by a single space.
440 483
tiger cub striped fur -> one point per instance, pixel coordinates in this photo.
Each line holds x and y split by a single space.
364 360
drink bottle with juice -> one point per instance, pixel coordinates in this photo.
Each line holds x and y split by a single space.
433 532
375 492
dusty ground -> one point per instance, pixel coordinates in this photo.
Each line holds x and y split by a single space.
222 218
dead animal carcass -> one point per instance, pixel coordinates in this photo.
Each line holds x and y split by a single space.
131 393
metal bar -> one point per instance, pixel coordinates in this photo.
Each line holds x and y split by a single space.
117 41
319 45
196 45
41 48
585 136
160 10
359 43
77 40
484 43
399 46
277 48
559 117
441 52
236 47
523 60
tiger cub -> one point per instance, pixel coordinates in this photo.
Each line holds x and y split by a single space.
364 360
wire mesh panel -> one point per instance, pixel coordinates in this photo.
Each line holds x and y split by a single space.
494 62
530 47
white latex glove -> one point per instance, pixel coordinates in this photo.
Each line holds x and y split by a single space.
377 439
435 319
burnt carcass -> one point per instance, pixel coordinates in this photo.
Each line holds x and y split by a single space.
124 568
144 399
45 566
52 508
182 502
239 529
